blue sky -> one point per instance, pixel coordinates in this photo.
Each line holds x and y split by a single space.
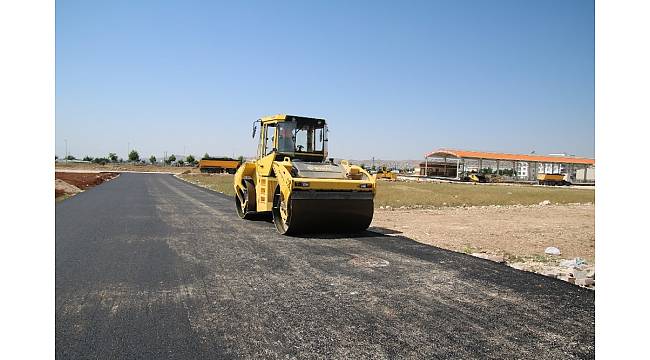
394 79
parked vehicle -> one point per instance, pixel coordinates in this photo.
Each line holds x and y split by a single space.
218 165
552 179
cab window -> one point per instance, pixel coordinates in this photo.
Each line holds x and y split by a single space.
270 138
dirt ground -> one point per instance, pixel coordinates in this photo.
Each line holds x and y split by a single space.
62 188
517 232
66 183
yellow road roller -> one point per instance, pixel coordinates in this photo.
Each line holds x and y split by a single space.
294 181
384 173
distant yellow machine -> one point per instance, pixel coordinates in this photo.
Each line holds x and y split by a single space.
292 179
552 179
475 177
384 173
217 165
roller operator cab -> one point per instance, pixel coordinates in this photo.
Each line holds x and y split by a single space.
292 179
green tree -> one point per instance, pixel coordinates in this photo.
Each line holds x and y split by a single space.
170 159
70 157
56 157
190 159
112 157
205 156
88 158
101 161
180 162
152 159
241 159
134 156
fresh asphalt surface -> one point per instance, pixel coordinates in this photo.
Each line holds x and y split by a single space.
148 266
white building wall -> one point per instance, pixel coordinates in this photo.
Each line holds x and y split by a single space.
551 168
522 169
591 174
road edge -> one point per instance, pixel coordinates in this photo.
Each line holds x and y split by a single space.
206 189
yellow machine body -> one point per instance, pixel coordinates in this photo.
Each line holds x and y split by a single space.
475 177
384 173
218 165
292 179
552 179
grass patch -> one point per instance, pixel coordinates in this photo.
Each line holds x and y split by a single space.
467 249
62 197
222 183
410 194
542 259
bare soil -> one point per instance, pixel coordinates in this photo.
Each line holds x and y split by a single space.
517 232
62 188
67 183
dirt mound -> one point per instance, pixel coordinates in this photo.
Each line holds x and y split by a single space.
84 180
63 188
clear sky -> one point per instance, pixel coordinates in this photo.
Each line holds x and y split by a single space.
395 79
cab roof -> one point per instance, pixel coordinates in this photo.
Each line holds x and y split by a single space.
285 117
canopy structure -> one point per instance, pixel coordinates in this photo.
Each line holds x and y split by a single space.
519 167
468 154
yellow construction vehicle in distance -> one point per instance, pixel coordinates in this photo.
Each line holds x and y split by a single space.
217 165
293 180
384 173
475 177
552 179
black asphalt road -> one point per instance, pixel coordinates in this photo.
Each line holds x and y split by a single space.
148 266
